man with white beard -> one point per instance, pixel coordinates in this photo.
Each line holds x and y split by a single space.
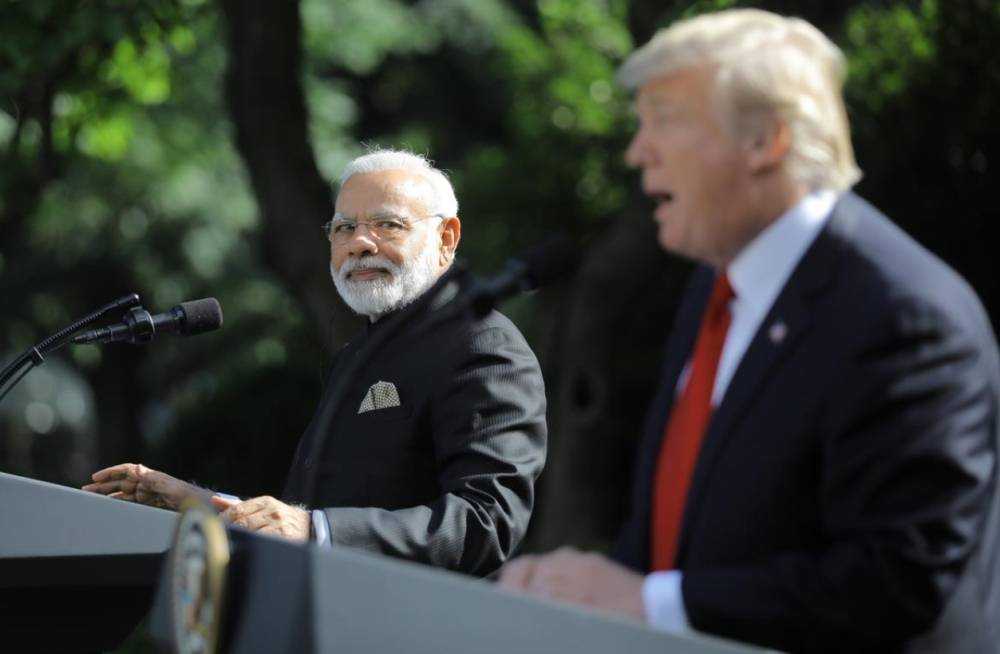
433 451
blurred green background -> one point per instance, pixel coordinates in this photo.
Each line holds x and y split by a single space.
185 148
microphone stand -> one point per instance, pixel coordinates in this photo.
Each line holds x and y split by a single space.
35 356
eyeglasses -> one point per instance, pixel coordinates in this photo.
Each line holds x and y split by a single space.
385 228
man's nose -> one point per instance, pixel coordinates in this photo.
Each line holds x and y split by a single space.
638 152
362 241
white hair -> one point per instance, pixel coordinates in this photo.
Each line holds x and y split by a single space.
445 203
767 66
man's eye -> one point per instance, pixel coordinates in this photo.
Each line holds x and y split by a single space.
343 228
391 225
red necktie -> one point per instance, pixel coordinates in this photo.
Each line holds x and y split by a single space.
685 429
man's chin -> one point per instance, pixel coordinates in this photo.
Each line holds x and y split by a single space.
367 308
368 298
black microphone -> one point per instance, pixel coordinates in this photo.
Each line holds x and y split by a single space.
541 265
138 326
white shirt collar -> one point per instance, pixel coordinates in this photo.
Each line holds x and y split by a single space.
760 270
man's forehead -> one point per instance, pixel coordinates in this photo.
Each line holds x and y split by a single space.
396 192
652 99
658 93
374 211
672 89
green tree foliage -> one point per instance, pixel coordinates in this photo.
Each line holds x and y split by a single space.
127 164
120 170
924 103
119 175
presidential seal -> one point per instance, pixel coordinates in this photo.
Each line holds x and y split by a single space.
198 561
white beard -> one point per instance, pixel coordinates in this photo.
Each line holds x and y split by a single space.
376 297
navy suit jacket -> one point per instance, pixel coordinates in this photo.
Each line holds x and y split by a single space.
845 498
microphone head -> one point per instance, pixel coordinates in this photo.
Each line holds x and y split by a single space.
548 261
200 316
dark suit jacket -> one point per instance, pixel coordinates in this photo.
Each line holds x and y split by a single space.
447 477
845 498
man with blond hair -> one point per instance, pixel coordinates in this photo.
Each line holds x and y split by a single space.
818 471
432 452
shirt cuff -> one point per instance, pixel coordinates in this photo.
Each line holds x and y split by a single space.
227 496
320 527
664 603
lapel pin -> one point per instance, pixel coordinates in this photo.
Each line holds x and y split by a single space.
777 332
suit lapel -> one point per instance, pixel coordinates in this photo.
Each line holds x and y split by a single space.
678 350
782 329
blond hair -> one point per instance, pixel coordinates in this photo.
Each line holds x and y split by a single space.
767 66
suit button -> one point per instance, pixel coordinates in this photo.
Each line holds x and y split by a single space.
308 462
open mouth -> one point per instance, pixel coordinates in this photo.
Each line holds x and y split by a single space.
663 201
662 198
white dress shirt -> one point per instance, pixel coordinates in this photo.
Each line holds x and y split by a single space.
320 527
757 275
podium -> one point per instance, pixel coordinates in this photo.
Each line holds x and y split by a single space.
281 597
77 570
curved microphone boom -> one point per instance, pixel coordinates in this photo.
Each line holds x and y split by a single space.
541 265
138 326
35 356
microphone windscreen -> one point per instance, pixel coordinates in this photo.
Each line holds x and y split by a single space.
550 260
201 316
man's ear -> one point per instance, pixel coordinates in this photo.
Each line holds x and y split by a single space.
451 234
769 145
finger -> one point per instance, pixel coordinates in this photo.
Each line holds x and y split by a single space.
247 520
237 512
517 574
112 472
108 487
119 495
120 471
249 507
284 519
223 503
259 521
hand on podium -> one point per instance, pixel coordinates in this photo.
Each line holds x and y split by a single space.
134 482
582 578
266 515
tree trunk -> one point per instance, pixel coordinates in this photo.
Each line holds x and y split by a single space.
266 103
609 359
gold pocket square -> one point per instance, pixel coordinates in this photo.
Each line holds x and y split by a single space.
381 395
